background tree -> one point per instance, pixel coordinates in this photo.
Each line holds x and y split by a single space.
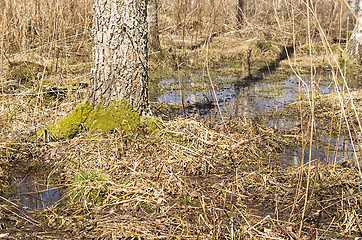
240 12
354 50
152 20
119 68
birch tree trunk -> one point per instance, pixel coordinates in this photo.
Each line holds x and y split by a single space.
119 68
354 47
152 20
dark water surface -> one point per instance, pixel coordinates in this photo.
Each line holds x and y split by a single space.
32 193
235 97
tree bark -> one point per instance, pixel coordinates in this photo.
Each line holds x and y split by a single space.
152 19
119 68
240 12
354 46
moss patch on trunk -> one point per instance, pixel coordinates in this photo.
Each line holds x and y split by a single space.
118 115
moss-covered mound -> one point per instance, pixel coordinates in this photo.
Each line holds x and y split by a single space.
118 115
69 125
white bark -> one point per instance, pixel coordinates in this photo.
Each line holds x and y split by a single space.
354 47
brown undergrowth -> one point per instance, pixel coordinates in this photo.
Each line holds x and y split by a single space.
191 180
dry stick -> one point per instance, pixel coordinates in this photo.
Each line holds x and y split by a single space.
340 38
312 124
183 41
353 14
331 125
179 81
340 95
339 136
212 84
181 89
330 134
299 185
300 175
2 53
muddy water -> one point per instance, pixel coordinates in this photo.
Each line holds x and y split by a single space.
254 98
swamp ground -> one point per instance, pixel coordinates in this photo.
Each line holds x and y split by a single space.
259 140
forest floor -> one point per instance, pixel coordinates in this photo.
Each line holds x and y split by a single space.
190 178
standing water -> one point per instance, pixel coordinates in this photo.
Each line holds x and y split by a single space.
32 193
254 98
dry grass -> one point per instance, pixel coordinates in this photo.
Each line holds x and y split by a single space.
191 180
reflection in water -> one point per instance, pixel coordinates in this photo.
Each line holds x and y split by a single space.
235 98
294 156
245 97
33 194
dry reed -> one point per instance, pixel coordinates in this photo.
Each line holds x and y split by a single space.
192 180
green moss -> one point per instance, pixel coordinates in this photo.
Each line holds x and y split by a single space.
153 123
68 126
118 114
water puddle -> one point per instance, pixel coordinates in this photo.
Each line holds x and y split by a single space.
31 193
235 96
338 150
254 98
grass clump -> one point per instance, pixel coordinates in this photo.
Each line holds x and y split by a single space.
153 123
23 72
88 188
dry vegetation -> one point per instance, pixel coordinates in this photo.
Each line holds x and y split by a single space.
190 179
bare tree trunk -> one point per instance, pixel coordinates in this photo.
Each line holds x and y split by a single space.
354 47
152 19
119 68
240 12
